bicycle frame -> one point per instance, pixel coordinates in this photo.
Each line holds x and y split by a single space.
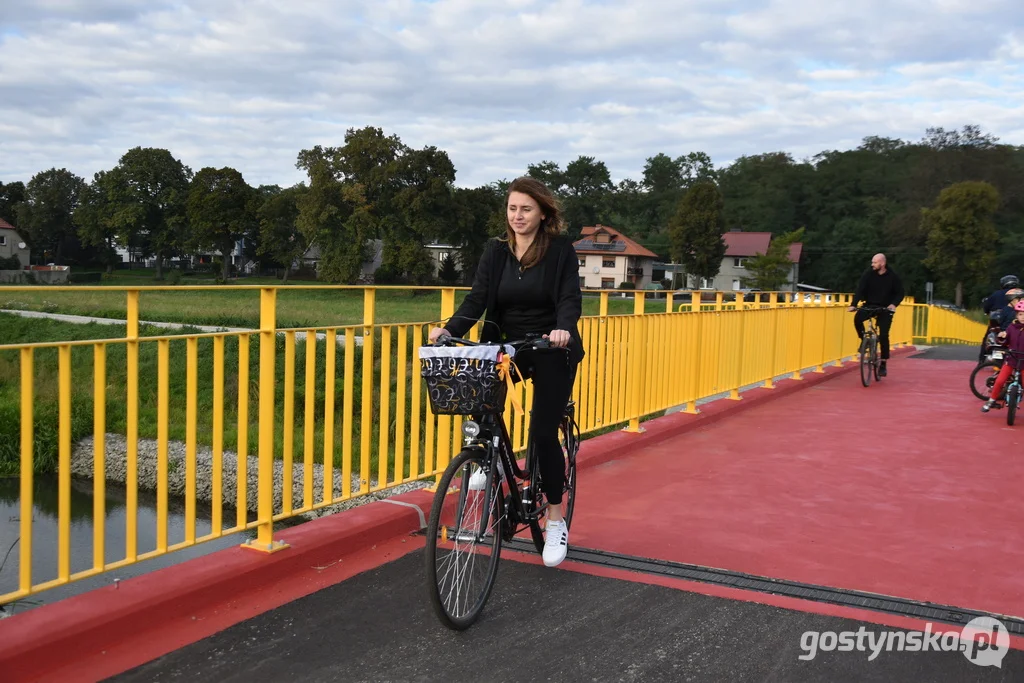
501 462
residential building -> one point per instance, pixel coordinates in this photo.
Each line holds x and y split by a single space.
439 252
740 246
11 244
609 258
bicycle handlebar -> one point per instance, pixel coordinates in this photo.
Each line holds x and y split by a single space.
533 342
874 309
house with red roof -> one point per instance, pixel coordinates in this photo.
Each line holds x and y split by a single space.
11 243
740 246
608 258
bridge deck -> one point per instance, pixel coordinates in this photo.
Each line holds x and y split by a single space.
903 489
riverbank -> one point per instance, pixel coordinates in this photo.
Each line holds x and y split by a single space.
116 469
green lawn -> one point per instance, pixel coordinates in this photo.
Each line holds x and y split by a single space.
241 308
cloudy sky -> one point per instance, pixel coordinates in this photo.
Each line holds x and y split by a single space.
498 85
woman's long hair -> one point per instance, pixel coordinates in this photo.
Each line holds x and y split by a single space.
549 227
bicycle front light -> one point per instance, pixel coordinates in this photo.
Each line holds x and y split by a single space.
470 429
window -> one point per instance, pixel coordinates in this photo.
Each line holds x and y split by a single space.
735 285
583 282
3 240
602 238
739 262
706 283
441 256
608 263
607 283
583 261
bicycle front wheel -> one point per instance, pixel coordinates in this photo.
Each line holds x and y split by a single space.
463 540
865 363
1012 401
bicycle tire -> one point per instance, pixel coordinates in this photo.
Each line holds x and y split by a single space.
865 363
1012 401
570 446
876 364
984 375
451 575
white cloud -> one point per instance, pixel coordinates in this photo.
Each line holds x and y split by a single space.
249 84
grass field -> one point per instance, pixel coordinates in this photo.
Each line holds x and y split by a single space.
241 308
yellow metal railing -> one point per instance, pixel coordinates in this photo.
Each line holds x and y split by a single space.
937 325
366 413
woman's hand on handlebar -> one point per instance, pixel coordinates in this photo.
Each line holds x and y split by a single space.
438 332
558 338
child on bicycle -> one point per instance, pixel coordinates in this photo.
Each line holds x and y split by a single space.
1014 339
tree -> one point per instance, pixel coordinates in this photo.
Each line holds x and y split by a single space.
588 187
448 274
770 271
220 211
46 216
148 198
961 237
279 235
337 218
11 195
696 231
96 219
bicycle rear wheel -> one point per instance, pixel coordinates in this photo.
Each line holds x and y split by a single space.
463 540
865 362
570 446
983 377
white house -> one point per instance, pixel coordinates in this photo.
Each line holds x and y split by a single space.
11 244
609 258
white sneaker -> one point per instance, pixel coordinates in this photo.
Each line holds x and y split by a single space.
477 480
556 543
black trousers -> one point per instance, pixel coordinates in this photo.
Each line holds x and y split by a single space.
553 376
884 322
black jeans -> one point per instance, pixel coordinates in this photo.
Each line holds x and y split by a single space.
553 376
884 322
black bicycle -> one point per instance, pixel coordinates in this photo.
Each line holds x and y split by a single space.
485 497
870 362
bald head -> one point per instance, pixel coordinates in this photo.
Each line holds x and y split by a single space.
878 263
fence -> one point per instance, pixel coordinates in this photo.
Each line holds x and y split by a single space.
348 400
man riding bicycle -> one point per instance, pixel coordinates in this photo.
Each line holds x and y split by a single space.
1000 303
879 287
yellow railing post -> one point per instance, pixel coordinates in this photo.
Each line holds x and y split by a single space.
603 308
668 302
719 298
734 393
802 305
265 485
637 364
444 422
366 424
132 429
27 470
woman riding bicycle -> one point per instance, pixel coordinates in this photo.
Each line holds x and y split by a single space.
528 284
1014 336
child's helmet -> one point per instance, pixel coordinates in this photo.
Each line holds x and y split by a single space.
1019 306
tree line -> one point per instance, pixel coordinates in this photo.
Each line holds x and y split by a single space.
948 208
